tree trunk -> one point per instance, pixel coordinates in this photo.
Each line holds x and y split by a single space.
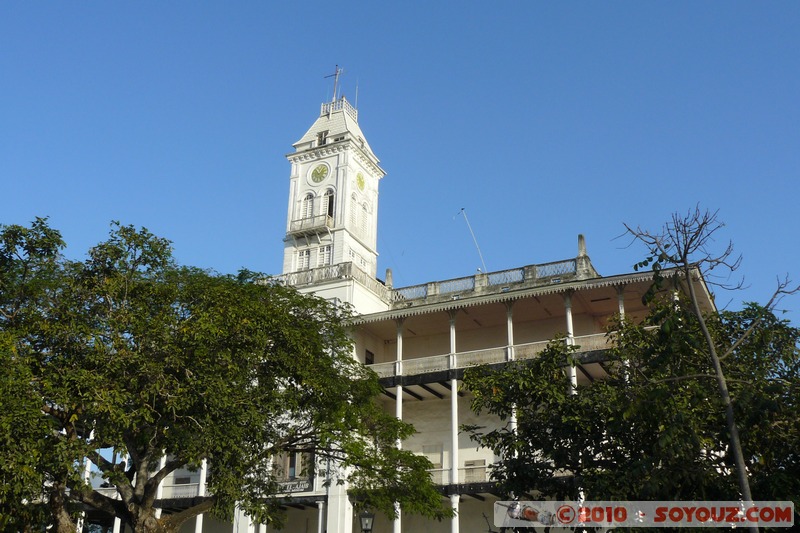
145 521
722 384
62 523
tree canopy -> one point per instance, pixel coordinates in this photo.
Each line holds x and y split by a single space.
128 351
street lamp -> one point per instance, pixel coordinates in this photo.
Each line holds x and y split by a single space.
367 519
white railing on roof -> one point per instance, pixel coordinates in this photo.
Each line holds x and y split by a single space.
457 285
504 277
546 273
558 268
339 105
410 293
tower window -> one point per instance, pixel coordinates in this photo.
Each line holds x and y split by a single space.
324 255
369 358
328 203
322 138
303 259
307 207
353 212
364 221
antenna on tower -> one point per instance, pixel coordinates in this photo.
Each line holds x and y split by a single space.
335 76
464 212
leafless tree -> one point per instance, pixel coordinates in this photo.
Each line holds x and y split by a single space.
687 244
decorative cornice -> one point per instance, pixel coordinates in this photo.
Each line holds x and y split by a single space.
311 154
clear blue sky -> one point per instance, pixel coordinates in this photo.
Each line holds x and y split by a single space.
542 119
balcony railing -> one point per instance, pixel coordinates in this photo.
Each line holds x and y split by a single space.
333 273
295 485
175 491
185 490
310 224
461 360
469 474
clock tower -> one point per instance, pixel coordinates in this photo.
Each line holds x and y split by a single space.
332 222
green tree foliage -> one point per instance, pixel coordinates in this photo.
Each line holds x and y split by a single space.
129 352
655 428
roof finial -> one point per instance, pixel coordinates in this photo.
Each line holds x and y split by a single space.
335 77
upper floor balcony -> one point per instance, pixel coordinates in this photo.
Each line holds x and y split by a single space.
463 360
310 225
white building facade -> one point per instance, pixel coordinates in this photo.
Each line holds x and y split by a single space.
419 339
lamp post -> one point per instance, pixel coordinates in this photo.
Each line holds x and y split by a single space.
367 519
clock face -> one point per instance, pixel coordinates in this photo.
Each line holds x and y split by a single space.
360 181
319 173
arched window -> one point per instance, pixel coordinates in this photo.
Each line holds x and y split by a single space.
364 229
327 203
307 207
353 212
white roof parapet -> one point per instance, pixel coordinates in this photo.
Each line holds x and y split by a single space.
339 105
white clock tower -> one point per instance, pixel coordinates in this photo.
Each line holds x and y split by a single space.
331 229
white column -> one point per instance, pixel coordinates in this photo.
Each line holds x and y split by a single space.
454 499
201 491
621 304
510 329
340 510
398 374
87 473
320 516
511 356
573 371
242 523
397 524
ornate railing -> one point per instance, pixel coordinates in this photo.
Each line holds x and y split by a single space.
409 293
505 277
558 268
457 285
546 273
334 272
